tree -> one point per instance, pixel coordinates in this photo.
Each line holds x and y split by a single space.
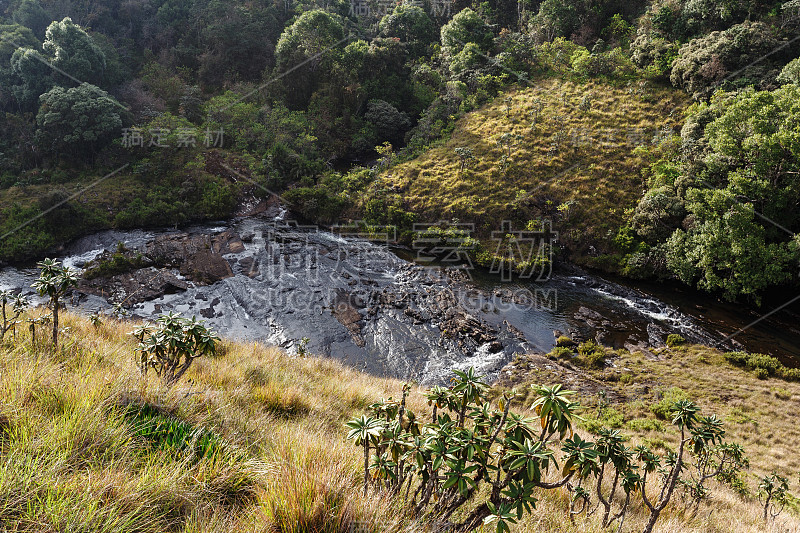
55 281
389 123
704 63
68 54
77 121
305 50
791 72
12 36
701 438
171 345
727 249
34 75
558 18
71 50
10 317
469 58
238 42
29 13
466 27
410 24
723 211
308 39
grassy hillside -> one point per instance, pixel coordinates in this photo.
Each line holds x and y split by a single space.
572 159
758 413
252 440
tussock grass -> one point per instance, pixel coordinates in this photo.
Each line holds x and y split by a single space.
87 444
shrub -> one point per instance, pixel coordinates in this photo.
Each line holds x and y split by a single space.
466 428
736 358
673 340
170 346
734 481
761 373
590 354
767 363
119 262
608 417
662 408
645 424
563 340
559 352
790 374
739 416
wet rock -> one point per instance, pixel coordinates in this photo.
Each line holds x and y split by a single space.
227 242
346 313
206 267
249 267
134 287
197 257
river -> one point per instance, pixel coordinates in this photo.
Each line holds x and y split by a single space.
377 310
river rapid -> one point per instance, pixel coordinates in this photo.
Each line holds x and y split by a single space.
271 281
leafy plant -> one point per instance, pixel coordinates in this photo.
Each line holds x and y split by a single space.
614 456
485 464
364 431
701 439
445 464
18 304
772 492
170 346
54 281
465 155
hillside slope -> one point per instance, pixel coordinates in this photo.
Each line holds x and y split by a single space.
251 440
557 150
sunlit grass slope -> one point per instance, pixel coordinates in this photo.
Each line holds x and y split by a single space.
572 159
250 440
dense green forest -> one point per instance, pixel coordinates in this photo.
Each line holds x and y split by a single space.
193 105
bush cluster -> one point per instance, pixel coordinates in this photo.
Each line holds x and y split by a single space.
763 365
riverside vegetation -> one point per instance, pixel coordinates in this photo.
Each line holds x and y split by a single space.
253 439
659 137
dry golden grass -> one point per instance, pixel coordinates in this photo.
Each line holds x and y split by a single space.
759 414
73 459
595 168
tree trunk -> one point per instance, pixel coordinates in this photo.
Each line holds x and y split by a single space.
366 466
652 522
474 520
55 324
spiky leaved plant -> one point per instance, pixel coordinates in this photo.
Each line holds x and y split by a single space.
54 281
